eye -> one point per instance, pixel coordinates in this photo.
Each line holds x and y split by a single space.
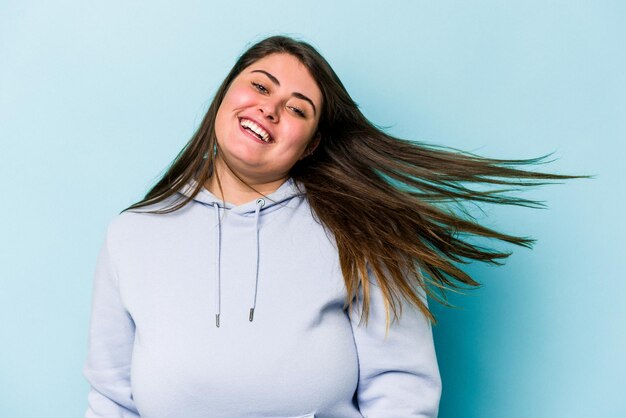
298 111
259 87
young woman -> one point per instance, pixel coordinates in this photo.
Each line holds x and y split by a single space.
280 267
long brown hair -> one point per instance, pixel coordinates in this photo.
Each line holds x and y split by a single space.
387 201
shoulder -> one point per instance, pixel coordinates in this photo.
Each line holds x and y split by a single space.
142 222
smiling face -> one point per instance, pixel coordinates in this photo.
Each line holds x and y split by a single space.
268 118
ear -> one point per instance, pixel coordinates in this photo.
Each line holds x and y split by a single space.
315 141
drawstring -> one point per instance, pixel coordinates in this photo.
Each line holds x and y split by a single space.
259 204
218 245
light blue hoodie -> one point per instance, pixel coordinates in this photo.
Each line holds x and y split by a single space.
163 283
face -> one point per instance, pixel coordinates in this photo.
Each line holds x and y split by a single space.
268 117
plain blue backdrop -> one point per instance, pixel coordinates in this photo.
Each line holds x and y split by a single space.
97 98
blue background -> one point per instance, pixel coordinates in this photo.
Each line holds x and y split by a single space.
97 98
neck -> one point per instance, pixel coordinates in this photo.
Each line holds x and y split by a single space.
235 191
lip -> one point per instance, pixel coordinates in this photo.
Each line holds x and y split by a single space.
253 136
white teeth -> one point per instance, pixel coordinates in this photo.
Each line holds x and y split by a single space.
254 127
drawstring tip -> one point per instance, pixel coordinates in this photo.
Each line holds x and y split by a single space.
217 320
251 317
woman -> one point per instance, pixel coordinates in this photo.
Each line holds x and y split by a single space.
280 267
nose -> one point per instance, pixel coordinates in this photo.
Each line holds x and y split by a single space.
269 110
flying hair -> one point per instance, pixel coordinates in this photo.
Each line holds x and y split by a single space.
393 206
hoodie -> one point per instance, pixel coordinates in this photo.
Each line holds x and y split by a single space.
217 310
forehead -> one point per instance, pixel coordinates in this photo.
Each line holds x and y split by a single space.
290 73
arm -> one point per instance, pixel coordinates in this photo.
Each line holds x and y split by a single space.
111 337
399 375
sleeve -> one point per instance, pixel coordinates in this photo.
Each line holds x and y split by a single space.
110 346
398 375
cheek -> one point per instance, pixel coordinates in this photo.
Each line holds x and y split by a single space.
237 96
235 99
299 135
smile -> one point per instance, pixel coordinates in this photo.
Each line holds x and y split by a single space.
255 129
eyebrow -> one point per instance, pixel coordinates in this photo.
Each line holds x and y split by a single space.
294 94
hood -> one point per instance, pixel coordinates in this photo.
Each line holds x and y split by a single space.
253 209
272 201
